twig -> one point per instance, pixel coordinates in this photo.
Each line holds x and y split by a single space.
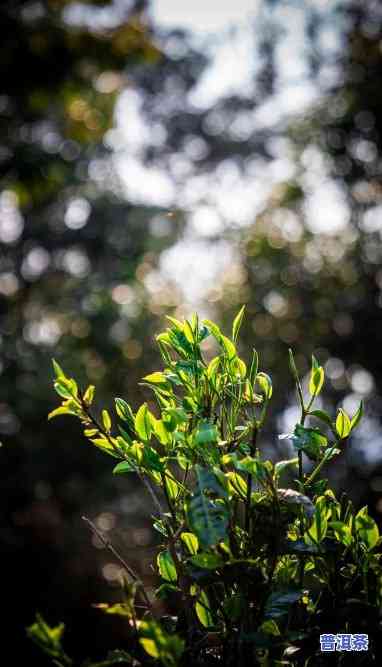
108 545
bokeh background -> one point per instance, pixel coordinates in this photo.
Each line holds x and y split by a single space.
159 158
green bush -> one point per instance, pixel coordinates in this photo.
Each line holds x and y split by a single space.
257 571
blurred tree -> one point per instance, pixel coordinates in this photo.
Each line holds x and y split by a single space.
321 292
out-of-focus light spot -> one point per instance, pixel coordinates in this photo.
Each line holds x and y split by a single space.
262 325
364 120
326 209
362 382
132 349
275 303
9 423
141 536
206 221
195 147
122 294
372 219
76 262
289 332
378 504
364 151
334 368
47 331
195 264
343 324
112 572
119 331
108 82
80 328
9 284
77 213
148 185
42 490
11 220
376 485
160 226
77 109
106 521
35 263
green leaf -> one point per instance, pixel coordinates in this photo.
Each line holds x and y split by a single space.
106 421
254 368
166 567
318 529
237 484
172 486
59 373
157 379
207 517
205 433
237 324
323 416
66 388
309 440
280 466
316 378
62 410
265 384
203 610
253 466
342 532
116 609
343 424
214 329
105 445
123 468
143 423
228 347
191 542
357 417
158 644
366 528
207 561
125 413
89 394
279 602
213 368
48 638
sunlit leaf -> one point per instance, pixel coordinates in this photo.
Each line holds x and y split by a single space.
203 610
166 567
237 324
316 378
143 422
191 542
343 424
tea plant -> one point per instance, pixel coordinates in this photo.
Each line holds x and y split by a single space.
257 571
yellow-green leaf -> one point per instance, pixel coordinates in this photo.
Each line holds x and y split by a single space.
191 542
237 324
62 410
143 423
166 567
203 610
89 394
106 421
317 376
343 424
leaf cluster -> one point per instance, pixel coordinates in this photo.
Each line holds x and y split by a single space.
254 568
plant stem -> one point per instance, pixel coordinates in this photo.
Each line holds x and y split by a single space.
120 559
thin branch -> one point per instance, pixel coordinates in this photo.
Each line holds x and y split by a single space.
108 545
